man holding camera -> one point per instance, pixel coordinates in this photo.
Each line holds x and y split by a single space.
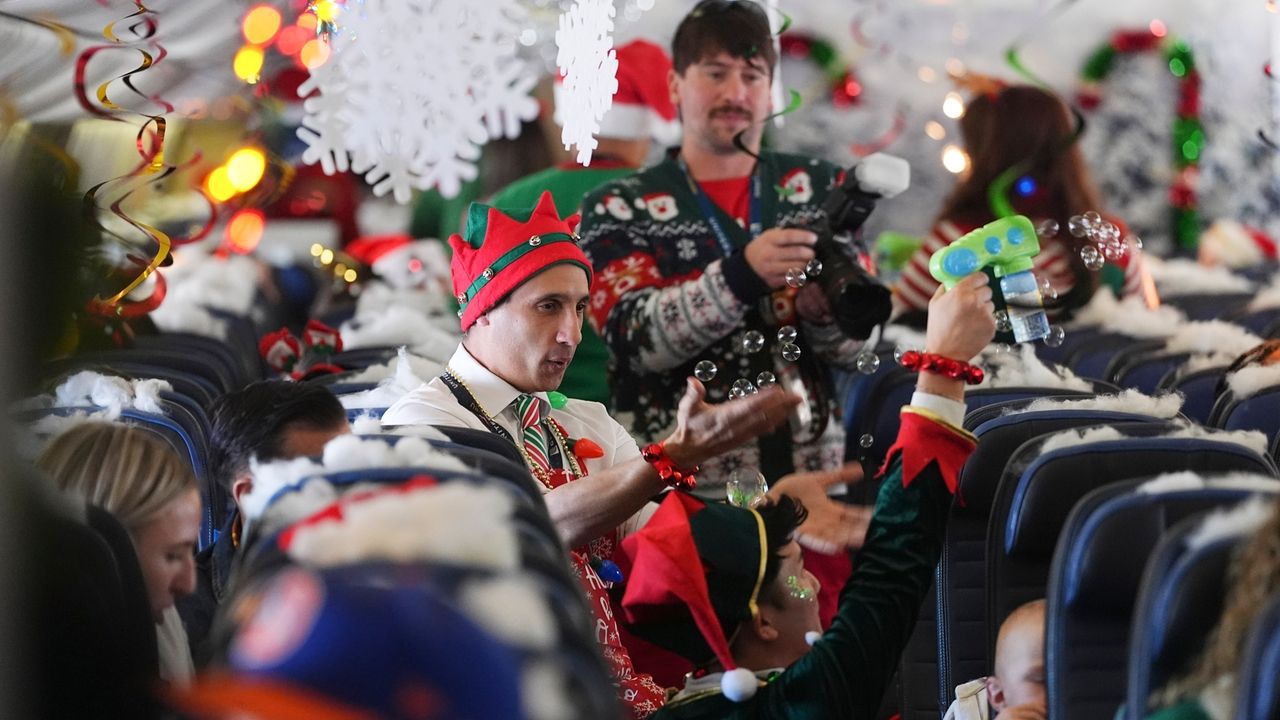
693 255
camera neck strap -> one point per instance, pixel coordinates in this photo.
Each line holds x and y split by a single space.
755 225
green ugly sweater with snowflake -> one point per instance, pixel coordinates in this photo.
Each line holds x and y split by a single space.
667 296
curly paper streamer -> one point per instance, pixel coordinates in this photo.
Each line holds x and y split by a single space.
793 104
889 137
143 28
998 192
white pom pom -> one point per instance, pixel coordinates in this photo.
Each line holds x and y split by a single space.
739 684
812 637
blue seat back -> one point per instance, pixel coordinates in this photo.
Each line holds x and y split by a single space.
1094 587
1039 489
1181 587
1258 683
1199 391
958 612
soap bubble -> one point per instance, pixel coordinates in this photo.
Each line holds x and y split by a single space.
1047 228
1092 258
1056 336
1002 321
866 441
868 362
790 352
1092 219
796 278
1077 226
752 341
1107 233
765 379
786 334
814 268
1003 349
1047 290
898 351
741 388
1113 251
746 487
705 371
1136 242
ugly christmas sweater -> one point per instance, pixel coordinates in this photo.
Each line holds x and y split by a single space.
668 296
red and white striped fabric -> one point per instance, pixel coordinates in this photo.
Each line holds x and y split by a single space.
916 285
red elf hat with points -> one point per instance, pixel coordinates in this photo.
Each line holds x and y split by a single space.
692 575
502 249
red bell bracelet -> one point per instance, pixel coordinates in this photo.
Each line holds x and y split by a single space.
656 455
940 365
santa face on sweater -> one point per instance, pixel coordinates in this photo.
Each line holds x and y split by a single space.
661 206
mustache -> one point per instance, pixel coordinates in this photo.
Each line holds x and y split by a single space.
731 110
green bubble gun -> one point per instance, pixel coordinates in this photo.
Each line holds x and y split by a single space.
1007 245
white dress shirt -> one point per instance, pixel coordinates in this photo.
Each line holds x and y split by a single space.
434 404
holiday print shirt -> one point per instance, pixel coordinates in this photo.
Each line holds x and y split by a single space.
666 297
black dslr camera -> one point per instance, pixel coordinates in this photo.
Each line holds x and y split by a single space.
858 301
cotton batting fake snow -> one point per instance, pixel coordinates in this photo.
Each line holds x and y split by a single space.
1129 317
194 319
1080 436
1024 369
390 389
269 478
1249 381
398 325
111 393
351 452
419 366
1238 521
455 522
1251 439
1188 480
1179 276
513 608
1268 297
1211 336
1130 401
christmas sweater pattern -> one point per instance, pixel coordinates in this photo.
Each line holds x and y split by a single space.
666 297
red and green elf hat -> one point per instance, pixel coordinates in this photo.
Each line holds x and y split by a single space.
692 575
502 249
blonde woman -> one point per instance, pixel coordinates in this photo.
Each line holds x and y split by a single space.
1207 692
136 477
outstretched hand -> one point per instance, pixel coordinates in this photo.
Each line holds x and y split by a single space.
704 430
831 526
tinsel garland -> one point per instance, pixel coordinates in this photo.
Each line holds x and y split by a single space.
1188 133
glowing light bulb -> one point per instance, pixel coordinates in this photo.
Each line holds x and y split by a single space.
245 168
260 24
954 159
953 105
219 185
934 129
314 53
244 231
247 64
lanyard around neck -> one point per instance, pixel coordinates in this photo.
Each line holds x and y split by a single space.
755 225
464 397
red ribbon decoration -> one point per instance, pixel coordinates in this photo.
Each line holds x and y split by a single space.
885 140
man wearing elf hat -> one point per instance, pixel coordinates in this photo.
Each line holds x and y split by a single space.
641 112
692 269
522 283
726 587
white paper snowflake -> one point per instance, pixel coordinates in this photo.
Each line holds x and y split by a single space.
589 64
413 88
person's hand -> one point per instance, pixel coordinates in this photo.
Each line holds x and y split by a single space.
961 320
776 250
812 305
832 526
704 430
1028 711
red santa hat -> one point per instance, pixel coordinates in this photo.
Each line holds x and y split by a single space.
503 249
642 106
368 249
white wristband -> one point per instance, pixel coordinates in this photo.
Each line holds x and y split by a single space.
952 411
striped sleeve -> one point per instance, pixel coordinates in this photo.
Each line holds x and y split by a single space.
916 286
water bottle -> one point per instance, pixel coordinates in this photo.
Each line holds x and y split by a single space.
1025 306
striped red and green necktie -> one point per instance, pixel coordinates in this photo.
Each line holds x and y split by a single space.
531 412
